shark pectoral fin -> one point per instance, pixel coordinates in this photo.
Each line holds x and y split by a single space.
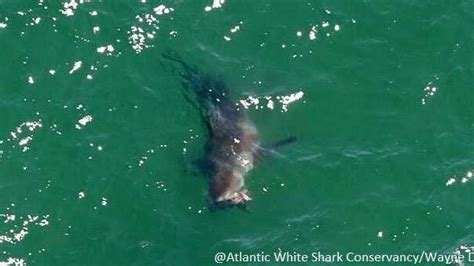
283 142
264 151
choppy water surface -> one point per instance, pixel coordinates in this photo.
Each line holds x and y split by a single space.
98 144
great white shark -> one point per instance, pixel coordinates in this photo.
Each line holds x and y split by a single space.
233 147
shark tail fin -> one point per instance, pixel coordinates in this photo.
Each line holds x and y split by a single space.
265 151
283 142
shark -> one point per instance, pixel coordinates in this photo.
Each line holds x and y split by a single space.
233 147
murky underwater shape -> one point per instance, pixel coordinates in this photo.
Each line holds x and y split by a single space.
98 145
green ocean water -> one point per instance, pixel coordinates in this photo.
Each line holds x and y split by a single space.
97 142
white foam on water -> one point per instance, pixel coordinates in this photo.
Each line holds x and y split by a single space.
462 254
288 99
160 185
107 49
173 33
83 121
429 91
70 7
464 179
270 104
75 67
145 30
13 262
3 25
137 38
323 28
312 33
25 140
8 217
259 102
104 201
37 20
236 28
162 9
215 4
232 31
144 158
21 226
23 134
451 181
